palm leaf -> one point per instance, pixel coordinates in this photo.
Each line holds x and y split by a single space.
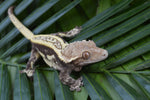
21 87
41 89
121 27
61 92
5 83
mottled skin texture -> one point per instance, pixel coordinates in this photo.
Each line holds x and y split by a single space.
60 55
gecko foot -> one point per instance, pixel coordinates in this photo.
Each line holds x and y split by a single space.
29 72
77 85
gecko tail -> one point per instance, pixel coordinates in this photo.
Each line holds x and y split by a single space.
24 30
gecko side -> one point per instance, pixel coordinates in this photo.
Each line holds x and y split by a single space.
57 53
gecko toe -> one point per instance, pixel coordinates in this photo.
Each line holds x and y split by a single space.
76 88
80 78
29 72
77 85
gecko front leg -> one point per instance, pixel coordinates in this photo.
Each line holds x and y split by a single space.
66 79
29 69
70 33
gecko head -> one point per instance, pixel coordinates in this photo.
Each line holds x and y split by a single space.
84 52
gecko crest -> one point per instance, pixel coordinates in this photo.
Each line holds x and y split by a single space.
52 40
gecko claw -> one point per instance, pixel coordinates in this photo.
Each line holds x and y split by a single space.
29 72
77 85
75 89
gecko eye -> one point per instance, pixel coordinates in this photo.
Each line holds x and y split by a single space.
85 55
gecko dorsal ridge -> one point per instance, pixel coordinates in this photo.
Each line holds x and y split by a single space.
49 39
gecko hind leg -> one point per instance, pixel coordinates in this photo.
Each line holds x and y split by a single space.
75 85
70 33
29 69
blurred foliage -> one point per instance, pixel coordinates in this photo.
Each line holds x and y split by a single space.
120 26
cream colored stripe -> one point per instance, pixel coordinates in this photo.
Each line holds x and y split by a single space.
50 45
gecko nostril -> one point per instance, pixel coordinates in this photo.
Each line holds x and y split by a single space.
105 53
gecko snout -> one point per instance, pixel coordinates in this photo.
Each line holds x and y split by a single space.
105 54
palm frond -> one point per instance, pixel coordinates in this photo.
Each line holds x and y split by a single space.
123 29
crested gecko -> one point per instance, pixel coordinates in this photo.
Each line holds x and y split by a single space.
57 53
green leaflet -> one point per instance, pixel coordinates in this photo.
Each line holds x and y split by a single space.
143 65
49 76
5 5
145 31
95 91
124 89
142 84
82 95
24 4
132 54
4 83
88 26
21 87
103 5
62 92
123 27
11 64
41 88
